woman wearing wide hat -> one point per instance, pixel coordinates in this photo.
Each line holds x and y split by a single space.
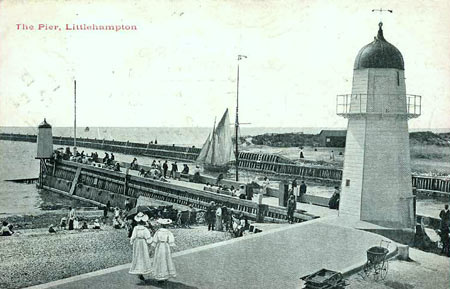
163 240
140 238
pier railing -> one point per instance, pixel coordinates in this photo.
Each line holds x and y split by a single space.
103 185
273 165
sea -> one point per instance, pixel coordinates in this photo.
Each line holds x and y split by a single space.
18 162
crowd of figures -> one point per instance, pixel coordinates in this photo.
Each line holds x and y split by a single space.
221 218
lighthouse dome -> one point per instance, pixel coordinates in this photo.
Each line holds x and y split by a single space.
379 54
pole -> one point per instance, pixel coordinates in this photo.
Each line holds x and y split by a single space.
74 113
237 125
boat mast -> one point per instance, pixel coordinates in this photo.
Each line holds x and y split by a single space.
74 113
236 124
213 142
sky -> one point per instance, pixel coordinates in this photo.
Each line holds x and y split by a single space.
179 67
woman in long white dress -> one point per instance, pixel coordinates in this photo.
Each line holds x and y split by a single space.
219 225
140 238
163 240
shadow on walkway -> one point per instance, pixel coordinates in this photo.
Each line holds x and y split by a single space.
165 284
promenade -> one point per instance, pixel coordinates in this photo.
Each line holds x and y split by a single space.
273 259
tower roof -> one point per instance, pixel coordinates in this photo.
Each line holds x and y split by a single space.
44 124
379 54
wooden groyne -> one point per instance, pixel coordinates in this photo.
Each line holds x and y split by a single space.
102 185
151 150
270 164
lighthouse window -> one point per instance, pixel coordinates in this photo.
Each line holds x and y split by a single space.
398 78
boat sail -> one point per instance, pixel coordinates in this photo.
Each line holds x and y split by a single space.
218 148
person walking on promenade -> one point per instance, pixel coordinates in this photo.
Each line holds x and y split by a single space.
444 230
291 206
140 238
210 216
265 185
165 168
302 190
296 189
163 266
334 200
445 215
173 172
71 217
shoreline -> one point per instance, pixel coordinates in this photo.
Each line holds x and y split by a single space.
70 253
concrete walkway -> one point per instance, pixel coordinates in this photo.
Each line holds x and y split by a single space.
309 208
272 259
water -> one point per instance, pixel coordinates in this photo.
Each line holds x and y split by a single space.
186 136
18 162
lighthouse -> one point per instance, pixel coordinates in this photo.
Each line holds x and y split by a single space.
376 181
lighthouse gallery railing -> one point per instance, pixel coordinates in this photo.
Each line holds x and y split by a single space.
384 104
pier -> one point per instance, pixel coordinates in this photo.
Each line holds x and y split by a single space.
100 185
269 164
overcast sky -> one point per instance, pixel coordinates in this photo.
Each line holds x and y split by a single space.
179 67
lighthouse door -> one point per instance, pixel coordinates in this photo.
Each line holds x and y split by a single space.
388 96
384 99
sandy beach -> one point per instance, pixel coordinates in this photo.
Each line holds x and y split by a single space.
34 256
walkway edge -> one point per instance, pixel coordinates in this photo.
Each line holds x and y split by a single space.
181 253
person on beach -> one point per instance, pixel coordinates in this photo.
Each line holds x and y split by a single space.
96 225
291 206
140 239
63 223
51 229
165 168
71 217
6 229
210 216
219 226
163 267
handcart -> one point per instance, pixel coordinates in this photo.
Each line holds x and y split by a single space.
376 267
324 279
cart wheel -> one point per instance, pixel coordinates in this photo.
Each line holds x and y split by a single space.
367 271
384 270
380 271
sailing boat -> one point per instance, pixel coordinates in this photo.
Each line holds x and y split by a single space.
218 148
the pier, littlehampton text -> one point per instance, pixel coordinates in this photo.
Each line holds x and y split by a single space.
75 27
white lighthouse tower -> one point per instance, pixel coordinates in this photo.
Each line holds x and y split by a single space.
376 182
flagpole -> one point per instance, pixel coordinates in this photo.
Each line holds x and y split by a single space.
236 124
74 113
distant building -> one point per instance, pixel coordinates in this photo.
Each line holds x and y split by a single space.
332 138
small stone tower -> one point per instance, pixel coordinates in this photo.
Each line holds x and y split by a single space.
376 182
44 141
